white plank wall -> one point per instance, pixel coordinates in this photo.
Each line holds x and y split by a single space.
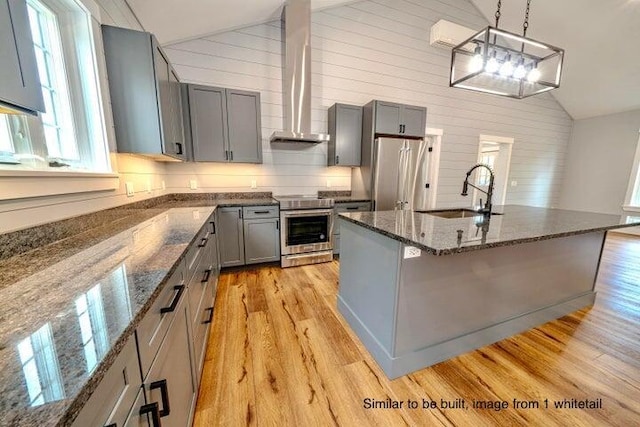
376 49
142 172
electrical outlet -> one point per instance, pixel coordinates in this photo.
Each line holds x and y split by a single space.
514 183
129 187
164 186
328 183
411 252
193 184
254 184
149 186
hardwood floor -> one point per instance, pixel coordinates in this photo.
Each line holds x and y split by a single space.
280 354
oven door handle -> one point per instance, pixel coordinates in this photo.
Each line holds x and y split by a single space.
307 212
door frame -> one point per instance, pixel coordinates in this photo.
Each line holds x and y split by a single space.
434 167
504 143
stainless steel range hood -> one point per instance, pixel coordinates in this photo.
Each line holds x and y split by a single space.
296 75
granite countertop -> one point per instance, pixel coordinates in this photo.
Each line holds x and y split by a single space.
518 224
115 262
103 290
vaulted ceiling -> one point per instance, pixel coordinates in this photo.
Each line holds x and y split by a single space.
602 61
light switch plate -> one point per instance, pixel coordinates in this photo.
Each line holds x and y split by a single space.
129 187
193 184
254 184
514 183
411 252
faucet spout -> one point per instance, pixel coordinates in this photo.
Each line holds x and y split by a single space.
486 209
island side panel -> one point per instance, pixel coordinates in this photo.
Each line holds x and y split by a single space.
479 297
368 291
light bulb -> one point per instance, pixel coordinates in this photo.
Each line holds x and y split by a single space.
476 63
519 72
534 75
492 65
506 70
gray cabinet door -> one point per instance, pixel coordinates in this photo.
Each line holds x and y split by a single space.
388 118
244 128
345 128
177 129
261 240
230 237
171 374
414 121
208 118
19 81
161 68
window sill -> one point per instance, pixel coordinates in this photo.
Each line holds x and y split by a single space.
629 208
22 184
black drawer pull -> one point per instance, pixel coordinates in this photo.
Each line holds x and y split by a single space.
210 319
203 242
213 227
164 394
207 273
112 425
176 298
155 415
277 224
179 148
352 208
260 212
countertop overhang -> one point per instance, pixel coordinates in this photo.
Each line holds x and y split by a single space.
516 224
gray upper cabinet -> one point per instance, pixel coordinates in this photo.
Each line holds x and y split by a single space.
345 130
223 124
145 94
399 119
19 81
230 236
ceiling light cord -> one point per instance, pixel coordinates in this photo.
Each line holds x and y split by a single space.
498 12
526 19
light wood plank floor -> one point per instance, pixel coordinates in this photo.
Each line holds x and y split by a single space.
280 354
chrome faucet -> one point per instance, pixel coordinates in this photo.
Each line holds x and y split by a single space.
486 209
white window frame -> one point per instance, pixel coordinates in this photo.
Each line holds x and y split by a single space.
21 184
634 183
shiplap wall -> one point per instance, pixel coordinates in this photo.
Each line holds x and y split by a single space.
142 172
377 49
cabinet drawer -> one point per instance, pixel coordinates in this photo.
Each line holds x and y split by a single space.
199 282
252 212
112 400
348 207
201 318
195 251
153 327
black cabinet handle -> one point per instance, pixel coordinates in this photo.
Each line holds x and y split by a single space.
240 213
207 273
210 319
155 415
112 425
352 208
179 148
164 395
203 242
231 153
260 212
213 227
337 160
226 155
277 224
176 298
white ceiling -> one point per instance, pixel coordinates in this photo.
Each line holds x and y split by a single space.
601 74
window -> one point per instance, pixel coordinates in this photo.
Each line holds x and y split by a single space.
632 199
70 134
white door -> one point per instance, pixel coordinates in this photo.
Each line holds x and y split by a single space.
495 152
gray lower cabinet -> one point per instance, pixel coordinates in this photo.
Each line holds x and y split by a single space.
345 130
261 240
230 236
345 207
170 383
19 80
145 94
113 399
223 125
398 119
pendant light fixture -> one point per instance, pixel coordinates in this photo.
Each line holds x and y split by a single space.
503 63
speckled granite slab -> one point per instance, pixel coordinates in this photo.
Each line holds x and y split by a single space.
343 196
46 373
519 224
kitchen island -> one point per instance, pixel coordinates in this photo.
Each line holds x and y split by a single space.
419 289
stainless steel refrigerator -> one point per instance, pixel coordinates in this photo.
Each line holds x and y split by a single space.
396 177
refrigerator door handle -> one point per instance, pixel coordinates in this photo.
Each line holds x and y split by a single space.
399 179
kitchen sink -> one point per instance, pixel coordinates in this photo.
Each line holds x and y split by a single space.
455 213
